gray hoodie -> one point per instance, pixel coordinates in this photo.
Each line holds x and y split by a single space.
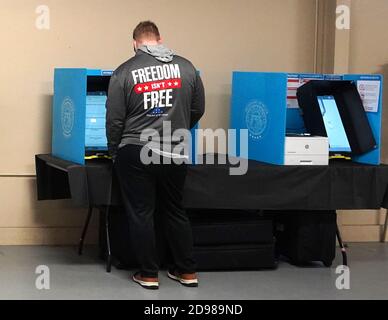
153 87
160 52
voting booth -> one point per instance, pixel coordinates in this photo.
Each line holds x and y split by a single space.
267 106
79 115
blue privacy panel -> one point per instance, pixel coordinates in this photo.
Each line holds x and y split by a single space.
259 105
371 88
71 124
68 139
295 123
266 105
99 72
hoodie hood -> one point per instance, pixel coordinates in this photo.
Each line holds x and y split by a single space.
160 52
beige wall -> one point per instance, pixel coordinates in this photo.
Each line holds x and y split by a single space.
219 36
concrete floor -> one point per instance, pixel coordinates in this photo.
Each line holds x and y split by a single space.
74 277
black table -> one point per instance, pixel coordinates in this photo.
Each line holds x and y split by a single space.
342 185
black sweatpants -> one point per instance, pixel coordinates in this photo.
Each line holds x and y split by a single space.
145 190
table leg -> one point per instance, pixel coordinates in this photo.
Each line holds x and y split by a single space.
384 235
343 248
84 231
109 253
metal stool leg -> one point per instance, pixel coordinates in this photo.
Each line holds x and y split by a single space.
84 231
384 235
343 248
109 253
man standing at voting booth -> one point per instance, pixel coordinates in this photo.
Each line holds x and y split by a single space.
154 92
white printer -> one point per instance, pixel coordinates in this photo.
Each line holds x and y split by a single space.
306 150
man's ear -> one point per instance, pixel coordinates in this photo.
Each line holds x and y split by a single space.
160 41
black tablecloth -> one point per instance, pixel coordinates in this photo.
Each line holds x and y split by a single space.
341 185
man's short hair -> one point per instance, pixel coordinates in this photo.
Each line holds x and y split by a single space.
146 30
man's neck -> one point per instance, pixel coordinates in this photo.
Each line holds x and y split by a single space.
150 43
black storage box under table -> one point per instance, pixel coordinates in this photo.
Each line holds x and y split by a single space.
232 240
223 240
305 237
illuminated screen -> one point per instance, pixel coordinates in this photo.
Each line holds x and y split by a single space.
336 133
95 134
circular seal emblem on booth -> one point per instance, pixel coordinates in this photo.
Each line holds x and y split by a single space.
67 117
256 118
